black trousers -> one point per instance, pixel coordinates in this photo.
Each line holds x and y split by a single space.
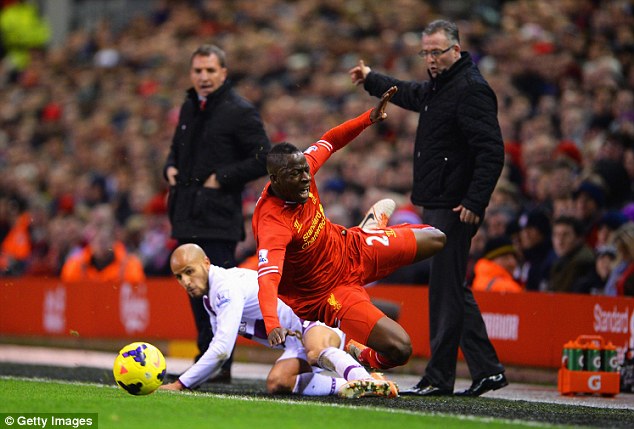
221 253
454 316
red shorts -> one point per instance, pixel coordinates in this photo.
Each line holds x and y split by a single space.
383 251
373 255
359 319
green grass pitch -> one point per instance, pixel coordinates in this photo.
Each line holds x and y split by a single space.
162 409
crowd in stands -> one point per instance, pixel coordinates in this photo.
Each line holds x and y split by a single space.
86 126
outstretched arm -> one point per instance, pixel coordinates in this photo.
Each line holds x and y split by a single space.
378 113
228 319
359 72
343 134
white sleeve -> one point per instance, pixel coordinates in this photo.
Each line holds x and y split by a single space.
228 305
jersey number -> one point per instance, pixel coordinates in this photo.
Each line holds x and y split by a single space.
382 239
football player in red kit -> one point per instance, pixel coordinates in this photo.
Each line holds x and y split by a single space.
320 268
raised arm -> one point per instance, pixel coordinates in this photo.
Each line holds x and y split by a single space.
343 134
378 113
359 72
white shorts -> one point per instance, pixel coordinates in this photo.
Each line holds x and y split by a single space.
294 348
307 325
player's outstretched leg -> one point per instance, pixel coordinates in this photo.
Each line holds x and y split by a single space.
378 215
429 241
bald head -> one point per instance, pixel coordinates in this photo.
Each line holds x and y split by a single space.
190 266
185 254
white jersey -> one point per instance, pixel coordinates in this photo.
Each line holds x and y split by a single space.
234 309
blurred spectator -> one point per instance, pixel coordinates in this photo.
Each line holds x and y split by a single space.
497 220
494 271
104 258
476 251
621 280
574 258
21 30
536 248
16 245
537 180
568 154
64 238
606 225
506 195
594 282
103 104
563 179
614 175
151 233
589 198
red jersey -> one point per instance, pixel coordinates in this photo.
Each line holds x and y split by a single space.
301 254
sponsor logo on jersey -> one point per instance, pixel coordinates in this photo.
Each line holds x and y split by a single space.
316 226
222 300
332 301
263 256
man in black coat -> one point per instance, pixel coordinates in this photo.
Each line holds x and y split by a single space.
219 145
458 158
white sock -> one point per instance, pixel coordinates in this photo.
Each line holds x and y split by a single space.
343 364
311 384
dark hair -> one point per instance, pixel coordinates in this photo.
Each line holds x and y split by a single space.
207 50
284 148
449 28
499 246
575 223
537 218
276 157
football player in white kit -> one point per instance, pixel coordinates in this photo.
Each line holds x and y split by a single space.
231 298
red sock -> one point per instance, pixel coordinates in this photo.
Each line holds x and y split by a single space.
373 359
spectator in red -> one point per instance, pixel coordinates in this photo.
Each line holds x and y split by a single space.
104 258
494 271
15 246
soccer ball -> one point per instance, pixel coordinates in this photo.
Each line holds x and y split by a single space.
139 368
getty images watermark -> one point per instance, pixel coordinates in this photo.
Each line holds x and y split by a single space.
48 420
